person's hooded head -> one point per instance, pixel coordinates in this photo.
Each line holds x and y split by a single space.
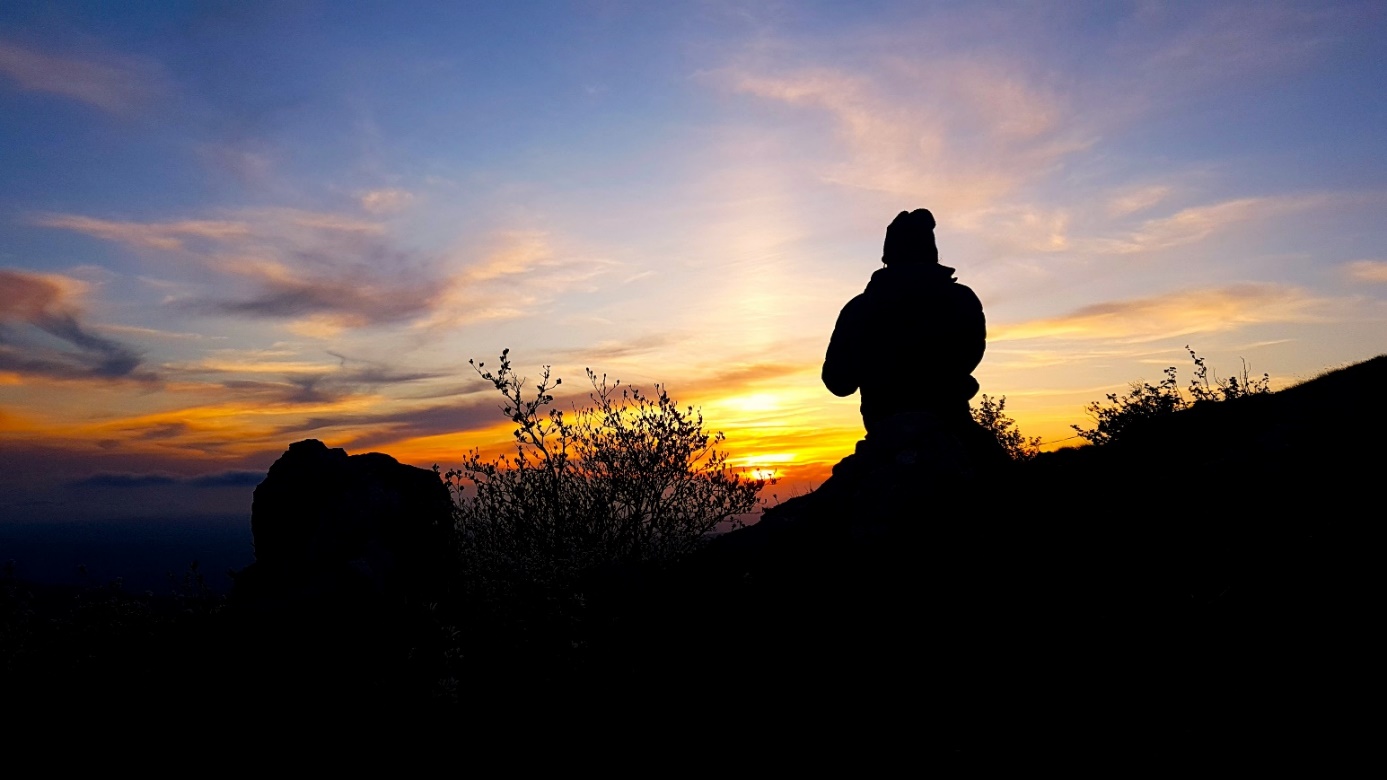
910 240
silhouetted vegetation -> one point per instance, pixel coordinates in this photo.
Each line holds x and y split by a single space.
632 478
991 414
1145 400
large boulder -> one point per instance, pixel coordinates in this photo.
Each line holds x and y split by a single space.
329 525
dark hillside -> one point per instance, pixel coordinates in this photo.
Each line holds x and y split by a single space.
1204 581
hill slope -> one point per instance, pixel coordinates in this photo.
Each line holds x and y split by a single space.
1204 580
1203 577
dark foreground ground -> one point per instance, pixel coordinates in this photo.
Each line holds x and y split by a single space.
1209 584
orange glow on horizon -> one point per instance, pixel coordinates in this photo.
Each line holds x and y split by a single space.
782 429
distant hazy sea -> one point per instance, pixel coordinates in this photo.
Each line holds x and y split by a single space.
143 551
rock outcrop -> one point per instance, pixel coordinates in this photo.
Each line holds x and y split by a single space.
329 526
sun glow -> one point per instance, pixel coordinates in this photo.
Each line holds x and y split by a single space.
764 466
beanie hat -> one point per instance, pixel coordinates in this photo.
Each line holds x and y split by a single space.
910 239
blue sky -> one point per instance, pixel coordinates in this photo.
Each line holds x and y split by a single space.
229 226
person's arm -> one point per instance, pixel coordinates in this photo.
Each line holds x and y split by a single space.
974 330
841 373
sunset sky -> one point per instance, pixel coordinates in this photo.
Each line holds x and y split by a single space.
228 226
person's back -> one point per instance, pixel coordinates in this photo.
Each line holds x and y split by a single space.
911 340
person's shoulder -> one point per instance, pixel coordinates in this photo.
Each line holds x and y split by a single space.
964 294
854 308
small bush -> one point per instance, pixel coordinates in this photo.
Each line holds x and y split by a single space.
632 478
991 414
1145 400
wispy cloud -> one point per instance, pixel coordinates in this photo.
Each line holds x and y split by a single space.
372 372
316 220
166 236
738 376
515 254
249 162
518 275
1223 42
954 111
1175 314
1011 354
1136 200
353 299
268 377
266 226
611 350
33 304
1019 228
749 376
118 84
1367 270
1194 224
371 429
334 270
386 201
961 132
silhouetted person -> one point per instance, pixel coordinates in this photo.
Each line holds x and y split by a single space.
911 340
909 343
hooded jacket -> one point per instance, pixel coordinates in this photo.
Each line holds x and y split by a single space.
910 342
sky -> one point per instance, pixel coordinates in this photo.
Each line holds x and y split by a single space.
229 226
